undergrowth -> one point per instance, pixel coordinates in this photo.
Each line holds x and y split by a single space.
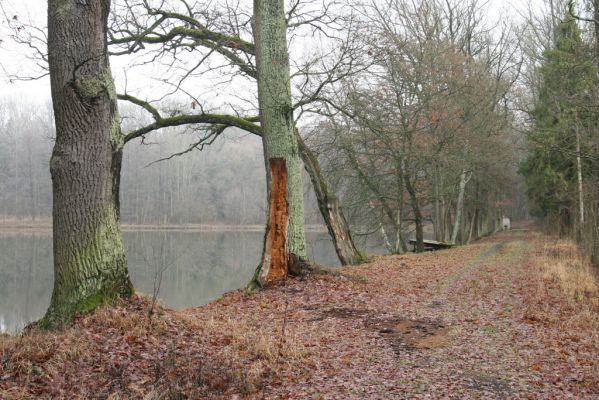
562 263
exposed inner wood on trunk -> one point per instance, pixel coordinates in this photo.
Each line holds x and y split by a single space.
275 262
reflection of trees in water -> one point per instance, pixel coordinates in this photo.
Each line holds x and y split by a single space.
196 267
26 279
207 263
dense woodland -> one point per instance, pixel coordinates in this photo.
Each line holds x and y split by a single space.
393 119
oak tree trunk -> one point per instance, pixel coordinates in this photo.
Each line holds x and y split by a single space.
280 146
89 258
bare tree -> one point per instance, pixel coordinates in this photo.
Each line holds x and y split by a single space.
224 36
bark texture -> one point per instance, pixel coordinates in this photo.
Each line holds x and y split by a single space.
89 258
330 208
276 118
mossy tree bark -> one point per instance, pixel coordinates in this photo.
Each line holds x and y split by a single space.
330 208
89 258
280 146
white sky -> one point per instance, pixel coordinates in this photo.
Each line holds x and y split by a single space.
12 58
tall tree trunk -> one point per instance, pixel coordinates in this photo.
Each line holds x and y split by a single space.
459 206
498 219
330 208
385 238
438 215
579 178
418 220
595 250
89 259
400 244
447 222
285 241
473 224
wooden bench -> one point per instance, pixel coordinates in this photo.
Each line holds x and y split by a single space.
431 245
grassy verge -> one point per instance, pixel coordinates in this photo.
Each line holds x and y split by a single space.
170 356
564 265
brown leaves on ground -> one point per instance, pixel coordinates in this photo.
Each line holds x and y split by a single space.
490 320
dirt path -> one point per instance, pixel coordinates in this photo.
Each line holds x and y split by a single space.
448 325
477 321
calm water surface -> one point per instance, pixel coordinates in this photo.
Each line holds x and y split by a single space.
192 268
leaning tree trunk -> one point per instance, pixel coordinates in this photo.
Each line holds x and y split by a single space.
473 225
285 241
89 259
330 208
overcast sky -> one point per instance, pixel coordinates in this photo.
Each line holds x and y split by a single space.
12 58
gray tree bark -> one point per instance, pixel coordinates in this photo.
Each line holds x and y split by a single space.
579 180
89 258
595 250
330 208
464 178
285 241
418 219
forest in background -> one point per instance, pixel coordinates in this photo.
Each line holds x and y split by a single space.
222 185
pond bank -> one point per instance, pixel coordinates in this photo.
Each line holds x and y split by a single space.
46 227
477 321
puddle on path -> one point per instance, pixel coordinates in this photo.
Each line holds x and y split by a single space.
407 335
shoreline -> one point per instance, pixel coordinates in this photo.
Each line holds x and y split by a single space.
360 332
46 227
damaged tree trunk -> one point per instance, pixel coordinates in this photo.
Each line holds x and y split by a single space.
285 242
89 258
275 260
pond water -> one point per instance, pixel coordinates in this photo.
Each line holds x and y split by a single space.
193 268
